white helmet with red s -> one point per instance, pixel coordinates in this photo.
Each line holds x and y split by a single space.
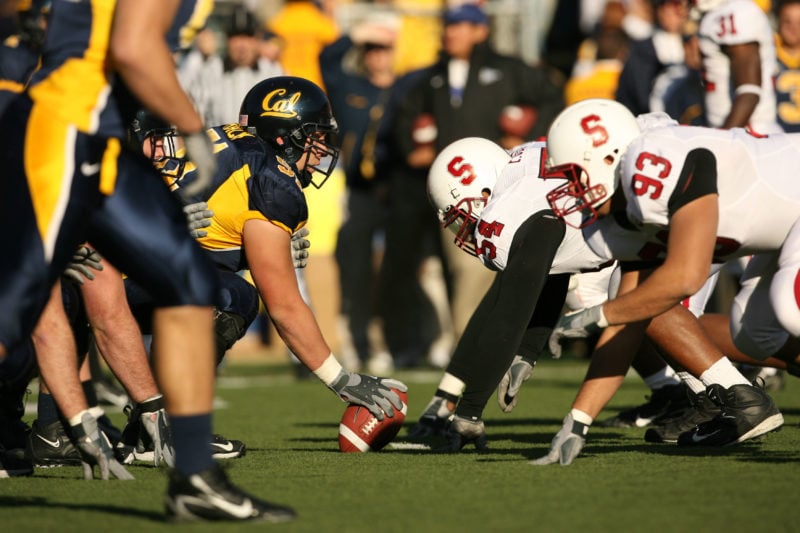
460 182
584 146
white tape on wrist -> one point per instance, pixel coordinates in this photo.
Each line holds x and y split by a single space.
580 416
329 370
601 317
75 420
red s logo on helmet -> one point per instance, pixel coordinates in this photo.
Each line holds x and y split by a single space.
591 126
459 169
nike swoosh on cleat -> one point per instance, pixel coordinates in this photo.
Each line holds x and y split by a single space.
242 510
54 443
227 447
702 438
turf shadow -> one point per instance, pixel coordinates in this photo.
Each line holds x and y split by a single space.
45 503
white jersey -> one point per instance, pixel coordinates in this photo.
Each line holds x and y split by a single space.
759 192
518 194
737 22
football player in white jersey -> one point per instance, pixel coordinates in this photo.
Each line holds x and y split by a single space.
739 65
497 206
710 195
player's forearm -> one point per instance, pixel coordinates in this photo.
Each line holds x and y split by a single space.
662 290
741 111
610 361
298 328
141 57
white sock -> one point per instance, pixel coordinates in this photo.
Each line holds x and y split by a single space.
723 373
451 384
694 384
662 378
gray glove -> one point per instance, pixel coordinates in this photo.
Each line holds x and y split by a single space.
369 391
84 260
584 322
518 373
300 247
199 216
95 449
199 151
567 443
554 342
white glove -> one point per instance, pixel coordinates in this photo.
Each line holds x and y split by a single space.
199 216
583 322
95 449
518 373
300 247
567 443
199 151
84 260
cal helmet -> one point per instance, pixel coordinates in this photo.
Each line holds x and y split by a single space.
294 116
584 146
159 141
460 181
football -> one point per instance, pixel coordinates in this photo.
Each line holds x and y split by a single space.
517 120
360 431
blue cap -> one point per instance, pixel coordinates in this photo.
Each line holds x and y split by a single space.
465 13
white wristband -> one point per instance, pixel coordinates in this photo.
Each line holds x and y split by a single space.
580 416
748 88
75 420
601 317
329 370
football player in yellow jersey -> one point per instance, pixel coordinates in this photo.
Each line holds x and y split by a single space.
282 145
75 181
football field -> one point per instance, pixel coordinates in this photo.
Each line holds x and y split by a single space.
619 483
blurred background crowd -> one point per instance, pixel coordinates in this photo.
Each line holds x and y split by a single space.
406 78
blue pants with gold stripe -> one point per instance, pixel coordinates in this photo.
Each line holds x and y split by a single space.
61 187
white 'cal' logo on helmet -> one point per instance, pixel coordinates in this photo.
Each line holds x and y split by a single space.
274 106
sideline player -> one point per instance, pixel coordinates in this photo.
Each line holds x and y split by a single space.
739 65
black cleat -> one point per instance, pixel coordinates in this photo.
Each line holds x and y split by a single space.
772 379
51 446
210 496
747 412
701 409
222 448
463 431
12 465
661 404
434 420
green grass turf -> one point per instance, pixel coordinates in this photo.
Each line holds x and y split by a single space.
619 483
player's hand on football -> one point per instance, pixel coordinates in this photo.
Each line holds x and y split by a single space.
300 245
567 444
199 151
372 392
95 450
583 322
518 373
198 216
84 261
